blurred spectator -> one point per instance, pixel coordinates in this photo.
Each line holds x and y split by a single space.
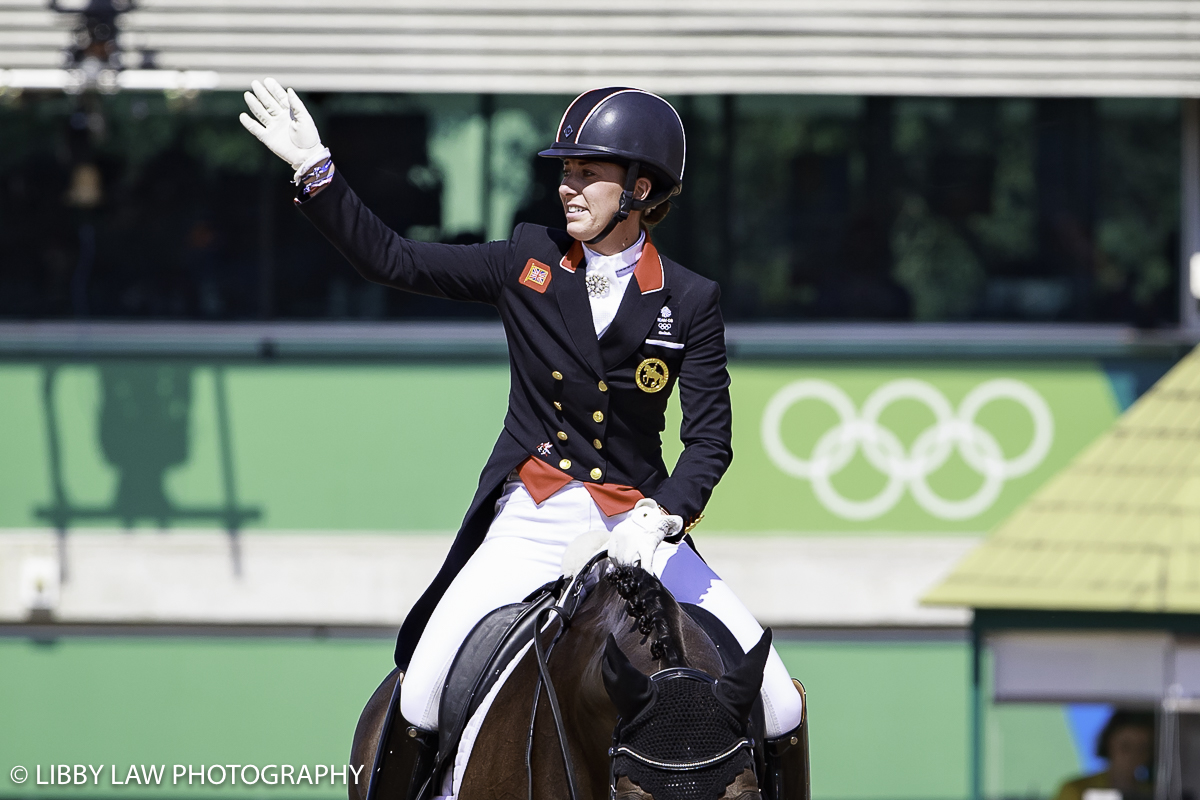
1127 743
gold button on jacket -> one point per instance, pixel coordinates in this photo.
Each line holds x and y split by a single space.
562 435
598 416
602 386
556 375
596 473
558 405
564 464
596 443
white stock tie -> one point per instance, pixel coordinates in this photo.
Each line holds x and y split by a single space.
606 279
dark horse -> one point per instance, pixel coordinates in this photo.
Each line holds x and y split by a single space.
629 628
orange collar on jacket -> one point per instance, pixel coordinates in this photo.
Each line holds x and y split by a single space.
648 272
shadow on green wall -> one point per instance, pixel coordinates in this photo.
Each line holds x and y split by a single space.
143 425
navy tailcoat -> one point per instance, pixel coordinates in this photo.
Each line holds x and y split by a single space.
608 396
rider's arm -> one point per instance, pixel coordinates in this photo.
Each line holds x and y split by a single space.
458 272
707 429
282 123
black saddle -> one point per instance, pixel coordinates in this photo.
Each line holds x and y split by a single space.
488 649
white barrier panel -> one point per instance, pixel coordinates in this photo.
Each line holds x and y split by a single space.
1066 667
200 577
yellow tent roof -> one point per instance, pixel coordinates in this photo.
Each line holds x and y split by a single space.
1117 530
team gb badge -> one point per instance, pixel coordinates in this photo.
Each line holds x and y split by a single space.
536 276
665 321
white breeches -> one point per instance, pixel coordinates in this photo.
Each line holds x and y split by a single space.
523 550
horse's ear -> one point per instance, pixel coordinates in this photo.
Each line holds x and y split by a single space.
627 686
737 688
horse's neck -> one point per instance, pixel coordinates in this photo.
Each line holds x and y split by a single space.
681 641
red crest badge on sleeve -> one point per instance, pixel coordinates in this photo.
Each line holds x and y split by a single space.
536 276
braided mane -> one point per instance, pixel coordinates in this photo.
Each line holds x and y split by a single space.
646 602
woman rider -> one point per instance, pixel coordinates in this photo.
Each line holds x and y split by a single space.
600 329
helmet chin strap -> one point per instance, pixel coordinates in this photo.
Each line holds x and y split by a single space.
626 205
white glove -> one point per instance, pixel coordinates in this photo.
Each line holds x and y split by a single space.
287 128
635 538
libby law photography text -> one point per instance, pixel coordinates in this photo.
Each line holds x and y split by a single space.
178 774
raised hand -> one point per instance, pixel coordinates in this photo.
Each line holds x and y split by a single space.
283 125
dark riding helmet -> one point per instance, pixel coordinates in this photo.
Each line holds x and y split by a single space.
632 127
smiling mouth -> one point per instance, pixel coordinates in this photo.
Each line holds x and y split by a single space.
574 209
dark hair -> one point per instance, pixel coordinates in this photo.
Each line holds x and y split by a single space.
1122 719
653 216
658 183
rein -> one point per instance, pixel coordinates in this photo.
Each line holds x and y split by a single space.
543 655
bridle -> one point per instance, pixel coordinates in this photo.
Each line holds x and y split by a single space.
565 611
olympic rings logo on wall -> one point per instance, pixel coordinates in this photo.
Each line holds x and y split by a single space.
908 468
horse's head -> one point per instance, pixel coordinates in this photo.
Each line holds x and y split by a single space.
683 735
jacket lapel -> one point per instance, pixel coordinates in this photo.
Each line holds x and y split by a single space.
570 292
644 296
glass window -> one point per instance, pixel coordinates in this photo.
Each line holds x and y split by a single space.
803 208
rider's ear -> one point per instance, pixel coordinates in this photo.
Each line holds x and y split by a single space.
627 686
737 688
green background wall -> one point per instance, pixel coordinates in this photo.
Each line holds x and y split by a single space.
889 719
397 448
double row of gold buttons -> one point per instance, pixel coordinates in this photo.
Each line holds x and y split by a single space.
597 416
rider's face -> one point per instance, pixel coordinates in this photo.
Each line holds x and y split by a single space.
591 193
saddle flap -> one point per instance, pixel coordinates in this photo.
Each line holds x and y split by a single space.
489 647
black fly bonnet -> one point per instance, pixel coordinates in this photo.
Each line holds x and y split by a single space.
685 744
682 733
